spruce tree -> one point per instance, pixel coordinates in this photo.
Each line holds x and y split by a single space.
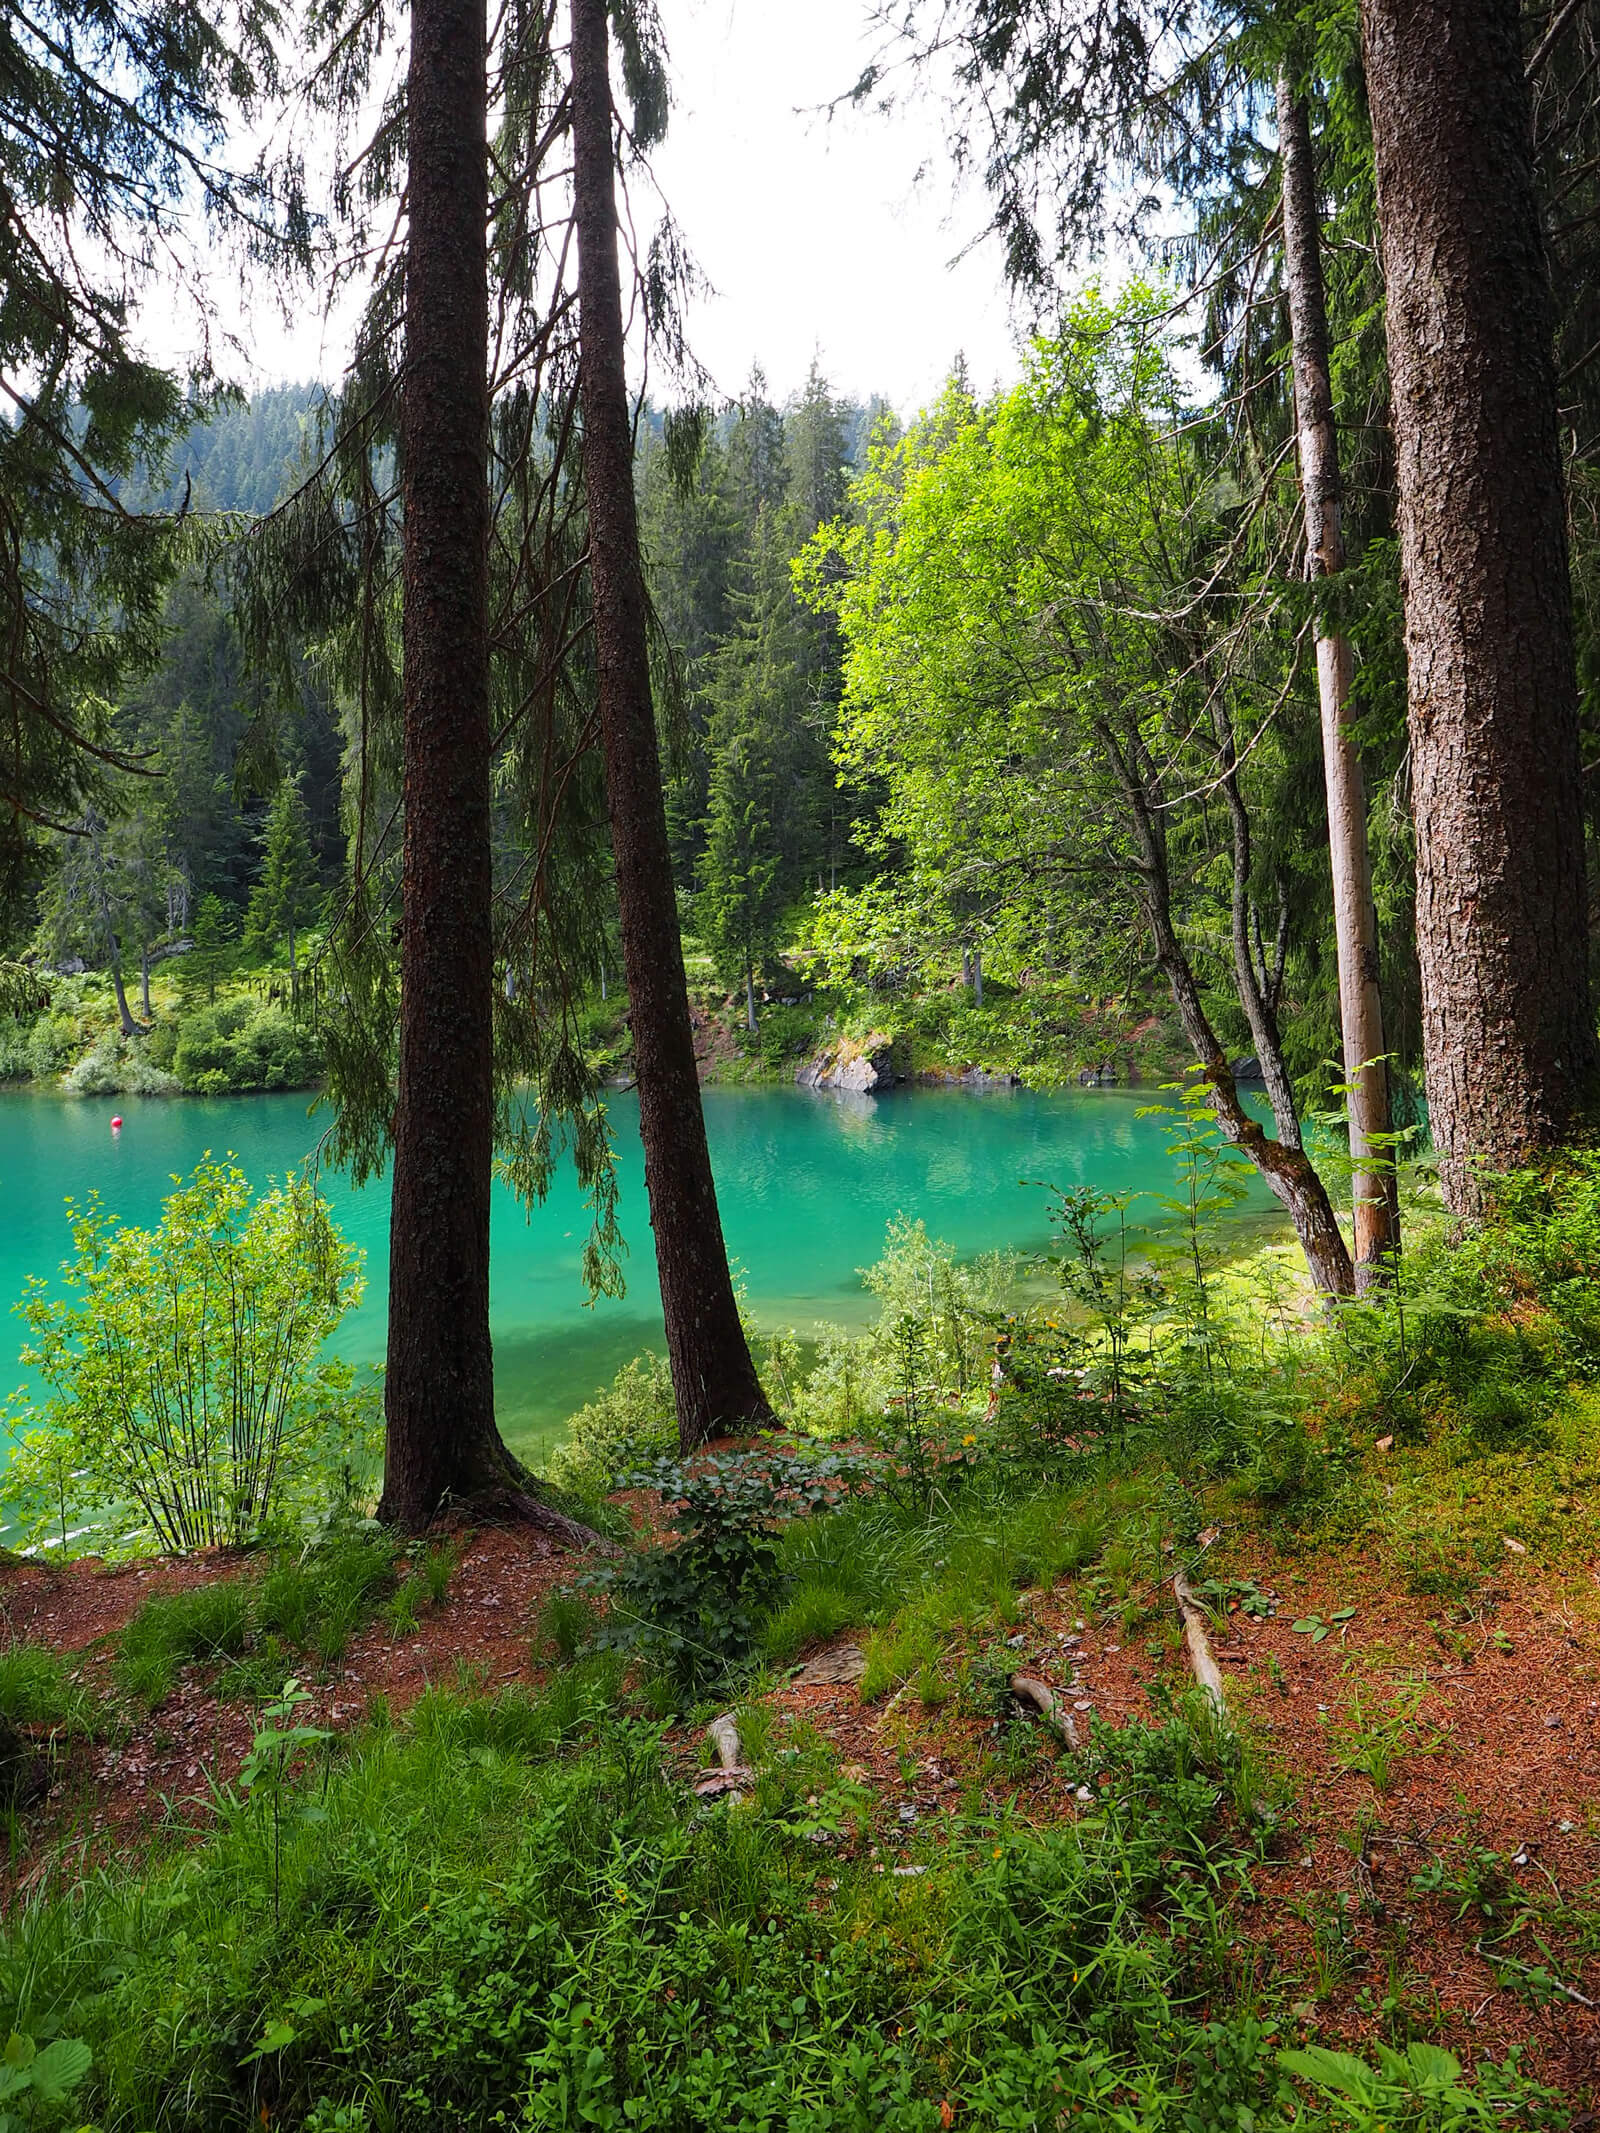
109 123
285 896
714 1379
1502 921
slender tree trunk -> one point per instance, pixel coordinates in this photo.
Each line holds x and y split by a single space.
977 977
441 1436
750 998
1508 1034
713 1377
102 895
144 980
1288 1171
1366 1072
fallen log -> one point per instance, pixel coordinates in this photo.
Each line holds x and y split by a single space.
1197 1637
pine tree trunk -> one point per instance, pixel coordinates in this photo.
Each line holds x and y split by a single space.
1501 926
441 1436
144 981
1366 1073
713 1377
750 999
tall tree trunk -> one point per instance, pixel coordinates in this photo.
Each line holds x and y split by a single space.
1508 1034
144 980
713 1377
750 998
441 1436
1355 918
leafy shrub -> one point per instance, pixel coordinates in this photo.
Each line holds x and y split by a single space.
118 1067
692 1607
633 1420
186 1366
242 1044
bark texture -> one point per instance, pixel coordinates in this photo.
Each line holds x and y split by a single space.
714 1380
1501 933
441 1436
1377 1224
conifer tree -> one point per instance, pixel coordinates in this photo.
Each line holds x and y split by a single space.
1502 931
109 123
714 1379
285 896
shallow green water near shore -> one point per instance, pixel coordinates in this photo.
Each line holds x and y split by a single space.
807 1185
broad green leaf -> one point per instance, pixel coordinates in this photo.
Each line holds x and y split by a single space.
1341 2072
60 2067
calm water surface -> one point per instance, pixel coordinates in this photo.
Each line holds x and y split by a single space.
807 1184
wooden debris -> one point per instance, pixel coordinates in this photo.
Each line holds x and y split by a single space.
1028 1688
1197 1638
846 1663
730 1774
725 1739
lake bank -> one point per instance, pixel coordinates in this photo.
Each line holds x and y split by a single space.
808 1184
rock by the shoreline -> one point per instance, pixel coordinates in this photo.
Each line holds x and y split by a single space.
864 1069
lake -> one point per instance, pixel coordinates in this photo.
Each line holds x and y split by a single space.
808 1184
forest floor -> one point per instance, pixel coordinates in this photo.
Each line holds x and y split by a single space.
1433 1764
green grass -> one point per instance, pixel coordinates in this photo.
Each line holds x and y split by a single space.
171 1630
37 1689
505 1912
247 1628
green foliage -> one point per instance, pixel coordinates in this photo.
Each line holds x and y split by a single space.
312 1601
1424 2087
633 1419
185 1366
211 954
691 1607
209 1624
243 1044
284 899
37 1689
46 2076
506 1907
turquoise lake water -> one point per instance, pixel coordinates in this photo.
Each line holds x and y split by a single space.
808 1184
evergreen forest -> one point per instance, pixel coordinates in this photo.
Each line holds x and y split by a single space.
1111 846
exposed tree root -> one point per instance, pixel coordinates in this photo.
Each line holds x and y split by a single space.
1028 1688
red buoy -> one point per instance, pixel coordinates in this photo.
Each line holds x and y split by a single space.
116 1125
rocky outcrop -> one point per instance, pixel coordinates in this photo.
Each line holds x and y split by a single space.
864 1069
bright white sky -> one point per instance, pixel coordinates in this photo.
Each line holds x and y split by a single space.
816 237
815 233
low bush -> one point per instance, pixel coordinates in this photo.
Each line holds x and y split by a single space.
632 1421
185 1364
691 1607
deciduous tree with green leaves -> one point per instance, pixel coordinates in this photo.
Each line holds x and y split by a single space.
1069 689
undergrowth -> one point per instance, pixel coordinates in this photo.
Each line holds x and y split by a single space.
506 1913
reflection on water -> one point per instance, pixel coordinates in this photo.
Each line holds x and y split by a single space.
808 1184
